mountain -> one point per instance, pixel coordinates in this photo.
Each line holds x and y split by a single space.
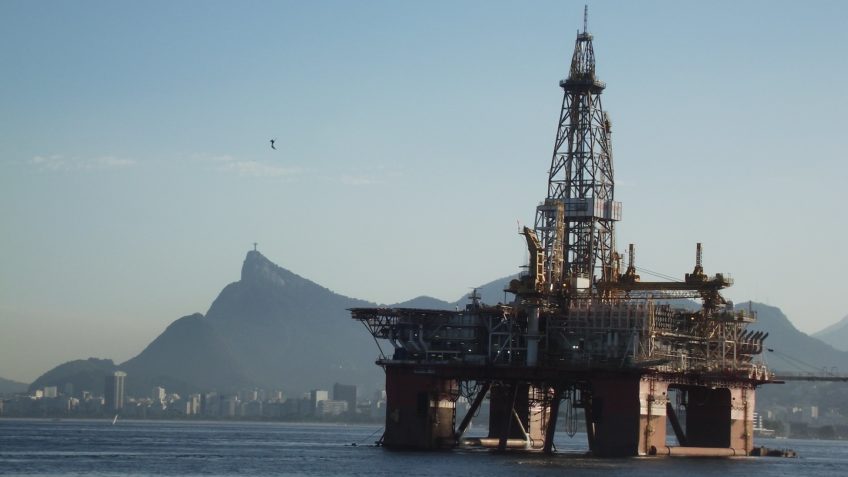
8 386
792 350
83 374
191 354
425 302
271 329
835 335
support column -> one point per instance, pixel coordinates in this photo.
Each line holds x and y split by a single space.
742 419
589 417
614 413
653 399
539 417
502 410
518 413
719 421
553 413
708 417
628 415
420 410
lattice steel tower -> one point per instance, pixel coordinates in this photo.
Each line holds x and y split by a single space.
575 223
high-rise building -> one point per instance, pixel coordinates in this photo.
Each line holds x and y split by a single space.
158 394
210 404
229 406
316 396
113 391
50 391
346 393
331 407
193 404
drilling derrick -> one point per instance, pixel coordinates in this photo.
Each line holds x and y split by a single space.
580 334
576 221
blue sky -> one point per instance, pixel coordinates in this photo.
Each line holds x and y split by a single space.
135 169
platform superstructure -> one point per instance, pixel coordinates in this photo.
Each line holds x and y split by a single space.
582 331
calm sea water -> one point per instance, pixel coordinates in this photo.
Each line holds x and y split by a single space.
67 448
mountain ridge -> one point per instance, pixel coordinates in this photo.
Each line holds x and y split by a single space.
835 335
789 349
9 386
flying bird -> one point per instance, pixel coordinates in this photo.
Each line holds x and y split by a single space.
272 144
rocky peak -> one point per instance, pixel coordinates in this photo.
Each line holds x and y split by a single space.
259 270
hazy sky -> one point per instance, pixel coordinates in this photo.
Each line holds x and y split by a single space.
136 172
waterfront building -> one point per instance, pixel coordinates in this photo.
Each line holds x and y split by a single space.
113 391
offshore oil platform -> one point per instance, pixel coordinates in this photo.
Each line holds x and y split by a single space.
583 332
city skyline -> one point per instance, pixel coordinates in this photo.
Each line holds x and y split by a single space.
255 402
136 169
797 417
